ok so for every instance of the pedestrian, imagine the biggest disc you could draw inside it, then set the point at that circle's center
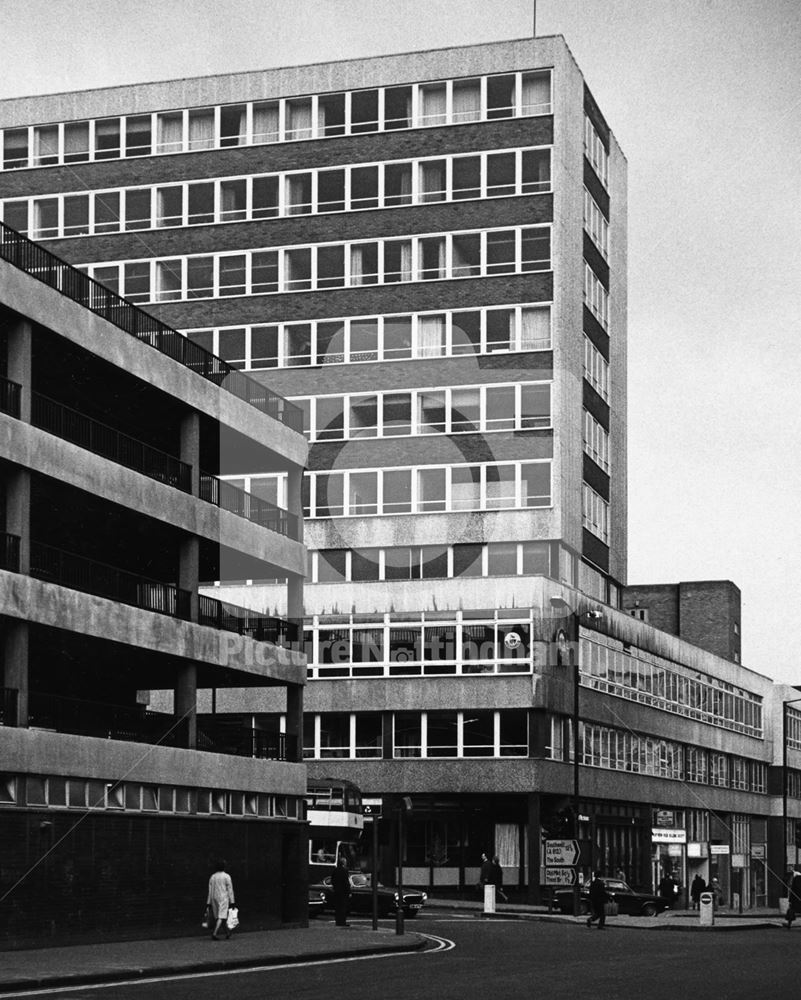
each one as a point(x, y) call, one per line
point(598, 900)
point(717, 892)
point(486, 875)
point(696, 888)
point(220, 899)
point(497, 879)
point(667, 890)
point(794, 897)
point(340, 882)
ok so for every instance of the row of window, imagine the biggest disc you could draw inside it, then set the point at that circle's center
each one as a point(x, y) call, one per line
point(430, 562)
point(596, 369)
point(435, 734)
point(484, 486)
point(595, 151)
point(596, 297)
point(654, 681)
point(596, 441)
point(383, 338)
point(357, 112)
point(595, 224)
point(624, 750)
point(267, 196)
point(793, 727)
point(330, 265)
point(131, 796)
point(462, 410)
point(594, 513)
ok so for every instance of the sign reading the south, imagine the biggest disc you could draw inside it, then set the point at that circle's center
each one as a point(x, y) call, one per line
point(560, 876)
point(561, 853)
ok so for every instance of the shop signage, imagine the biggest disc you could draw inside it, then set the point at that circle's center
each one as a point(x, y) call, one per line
point(664, 817)
point(560, 876)
point(718, 849)
point(674, 850)
point(696, 849)
point(758, 851)
point(738, 861)
point(660, 835)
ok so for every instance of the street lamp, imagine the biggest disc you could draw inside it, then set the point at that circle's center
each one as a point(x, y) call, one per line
point(571, 653)
point(790, 701)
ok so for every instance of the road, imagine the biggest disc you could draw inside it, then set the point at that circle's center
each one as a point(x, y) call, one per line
point(518, 960)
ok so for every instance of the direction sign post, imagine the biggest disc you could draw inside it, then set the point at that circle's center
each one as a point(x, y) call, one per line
point(560, 876)
point(562, 853)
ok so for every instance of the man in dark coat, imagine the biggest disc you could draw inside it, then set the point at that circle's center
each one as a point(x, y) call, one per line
point(340, 882)
point(667, 890)
point(497, 879)
point(698, 886)
point(598, 898)
point(487, 874)
point(794, 902)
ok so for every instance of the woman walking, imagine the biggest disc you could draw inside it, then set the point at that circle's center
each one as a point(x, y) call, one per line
point(221, 897)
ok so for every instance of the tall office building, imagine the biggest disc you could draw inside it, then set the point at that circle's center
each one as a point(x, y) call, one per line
point(427, 252)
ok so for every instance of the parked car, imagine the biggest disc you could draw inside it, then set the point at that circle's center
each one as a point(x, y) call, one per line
point(316, 901)
point(637, 904)
point(361, 896)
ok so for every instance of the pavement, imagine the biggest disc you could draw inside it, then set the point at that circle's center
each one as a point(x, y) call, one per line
point(119, 961)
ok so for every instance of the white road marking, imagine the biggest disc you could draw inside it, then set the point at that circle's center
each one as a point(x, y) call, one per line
point(442, 945)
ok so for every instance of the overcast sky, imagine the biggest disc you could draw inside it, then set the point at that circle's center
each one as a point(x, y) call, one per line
point(705, 99)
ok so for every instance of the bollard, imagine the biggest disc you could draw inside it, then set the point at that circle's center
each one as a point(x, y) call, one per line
point(489, 899)
point(706, 908)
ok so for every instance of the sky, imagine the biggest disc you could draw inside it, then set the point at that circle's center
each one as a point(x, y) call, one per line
point(704, 98)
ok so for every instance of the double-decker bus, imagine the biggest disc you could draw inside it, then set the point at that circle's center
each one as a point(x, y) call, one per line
point(336, 822)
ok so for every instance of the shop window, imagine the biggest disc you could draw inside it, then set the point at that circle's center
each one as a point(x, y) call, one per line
point(368, 645)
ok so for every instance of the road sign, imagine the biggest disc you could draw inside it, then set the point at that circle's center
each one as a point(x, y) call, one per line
point(560, 876)
point(562, 852)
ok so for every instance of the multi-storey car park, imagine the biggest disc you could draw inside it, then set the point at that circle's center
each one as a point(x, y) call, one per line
point(427, 254)
point(112, 511)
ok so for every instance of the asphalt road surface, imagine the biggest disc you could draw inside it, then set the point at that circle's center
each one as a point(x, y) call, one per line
point(518, 960)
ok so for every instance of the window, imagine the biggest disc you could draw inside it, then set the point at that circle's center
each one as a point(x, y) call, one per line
point(170, 206)
point(15, 214)
point(107, 212)
point(536, 484)
point(364, 187)
point(331, 114)
point(364, 111)
point(232, 279)
point(200, 277)
point(265, 197)
point(331, 191)
point(500, 408)
point(536, 250)
point(45, 145)
point(535, 406)
point(432, 181)
point(431, 418)
point(595, 150)
point(536, 93)
point(45, 218)
point(233, 201)
point(466, 177)
point(596, 297)
point(397, 420)
point(595, 513)
point(596, 369)
point(397, 184)
point(466, 255)
point(298, 194)
point(501, 174)
point(536, 175)
point(500, 96)
point(265, 121)
point(397, 107)
point(433, 104)
point(466, 100)
point(137, 208)
point(501, 486)
point(596, 441)
point(107, 139)
point(501, 252)
point(201, 128)
point(76, 142)
point(595, 223)
point(201, 204)
point(138, 135)
point(430, 489)
point(466, 409)
point(170, 132)
point(233, 125)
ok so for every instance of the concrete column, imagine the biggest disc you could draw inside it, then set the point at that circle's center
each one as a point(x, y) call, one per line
point(294, 598)
point(190, 447)
point(18, 514)
point(294, 495)
point(186, 702)
point(294, 718)
point(20, 363)
point(534, 848)
point(189, 572)
point(15, 673)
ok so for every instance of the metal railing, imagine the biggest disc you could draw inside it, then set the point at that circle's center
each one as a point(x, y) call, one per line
point(79, 573)
point(10, 395)
point(240, 741)
point(74, 426)
point(46, 267)
point(9, 552)
point(229, 497)
point(262, 628)
point(136, 724)
point(8, 706)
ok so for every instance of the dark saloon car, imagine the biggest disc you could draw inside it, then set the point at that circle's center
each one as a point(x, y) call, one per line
point(316, 901)
point(636, 904)
point(361, 896)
